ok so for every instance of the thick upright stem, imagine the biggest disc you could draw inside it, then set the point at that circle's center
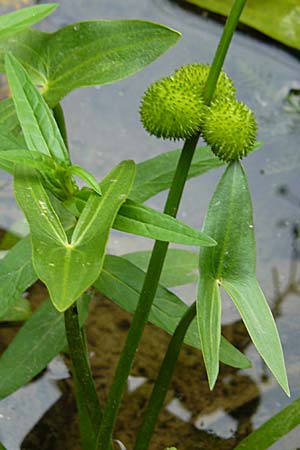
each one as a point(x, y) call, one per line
point(163, 380)
point(146, 299)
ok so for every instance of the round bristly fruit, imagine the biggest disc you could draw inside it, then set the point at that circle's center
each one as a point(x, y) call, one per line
point(197, 74)
point(230, 129)
point(171, 109)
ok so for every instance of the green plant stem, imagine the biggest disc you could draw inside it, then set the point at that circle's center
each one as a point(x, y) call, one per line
point(81, 367)
point(166, 371)
point(145, 302)
point(222, 49)
point(163, 380)
point(59, 117)
point(160, 248)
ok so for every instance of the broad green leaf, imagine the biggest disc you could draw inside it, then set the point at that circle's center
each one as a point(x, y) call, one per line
point(85, 176)
point(35, 345)
point(89, 53)
point(16, 275)
point(156, 174)
point(68, 266)
point(274, 429)
point(122, 282)
point(20, 312)
point(232, 264)
point(39, 128)
point(139, 219)
point(180, 266)
point(8, 160)
point(281, 23)
point(16, 21)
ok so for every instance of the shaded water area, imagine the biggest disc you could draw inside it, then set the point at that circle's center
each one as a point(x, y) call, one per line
point(104, 128)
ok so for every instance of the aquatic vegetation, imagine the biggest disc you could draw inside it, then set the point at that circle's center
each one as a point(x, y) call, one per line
point(70, 226)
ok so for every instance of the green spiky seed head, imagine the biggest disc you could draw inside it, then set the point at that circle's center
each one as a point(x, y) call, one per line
point(196, 75)
point(230, 130)
point(171, 109)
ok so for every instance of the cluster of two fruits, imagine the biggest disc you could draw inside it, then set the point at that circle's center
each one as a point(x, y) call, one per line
point(174, 108)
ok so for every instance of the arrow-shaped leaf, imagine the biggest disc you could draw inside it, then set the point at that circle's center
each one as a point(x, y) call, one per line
point(69, 266)
point(232, 264)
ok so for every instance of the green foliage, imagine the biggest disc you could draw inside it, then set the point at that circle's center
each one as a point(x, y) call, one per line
point(232, 265)
point(13, 23)
point(88, 53)
point(282, 22)
point(122, 282)
point(75, 261)
point(274, 429)
point(20, 311)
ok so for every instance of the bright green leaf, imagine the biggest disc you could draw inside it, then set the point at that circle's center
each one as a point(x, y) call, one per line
point(69, 266)
point(180, 266)
point(39, 128)
point(281, 23)
point(20, 312)
point(122, 282)
point(16, 275)
point(8, 117)
point(17, 21)
point(274, 429)
point(89, 53)
point(85, 176)
point(139, 219)
point(232, 264)
point(8, 160)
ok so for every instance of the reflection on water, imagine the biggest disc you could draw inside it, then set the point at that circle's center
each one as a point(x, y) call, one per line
point(193, 417)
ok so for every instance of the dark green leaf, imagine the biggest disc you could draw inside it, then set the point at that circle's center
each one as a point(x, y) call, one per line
point(232, 264)
point(17, 21)
point(16, 275)
point(89, 53)
point(139, 219)
point(282, 22)
point(40, 130)
point(122, 282)
point(274, 429)
point(180, 266)
point(69, 266)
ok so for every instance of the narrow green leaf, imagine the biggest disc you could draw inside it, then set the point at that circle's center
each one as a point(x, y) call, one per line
point(16, 275)
point(232, 264)
point(8, 142)
point(85, 176)
point(122, 282)
point(69, 267)
point(88, 53)
point(8, 117)
point(274, 429)
point(180, 267)
point(139, 219)
point(38, 125)
point(35, 345)
point(8, 160)
point(20, 312)
point(16, 21)
point(155, 175)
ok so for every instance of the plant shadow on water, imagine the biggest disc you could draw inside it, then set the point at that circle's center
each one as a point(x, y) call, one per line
point(201, 419)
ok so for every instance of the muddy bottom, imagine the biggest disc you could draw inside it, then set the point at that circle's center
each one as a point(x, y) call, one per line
point(188, 401)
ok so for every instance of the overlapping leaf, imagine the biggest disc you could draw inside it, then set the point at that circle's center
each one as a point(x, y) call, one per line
point(232, 264)
point(68, 266)
point(88, 53)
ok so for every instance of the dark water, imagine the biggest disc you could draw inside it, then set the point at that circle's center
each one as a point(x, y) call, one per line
point(103, 125)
